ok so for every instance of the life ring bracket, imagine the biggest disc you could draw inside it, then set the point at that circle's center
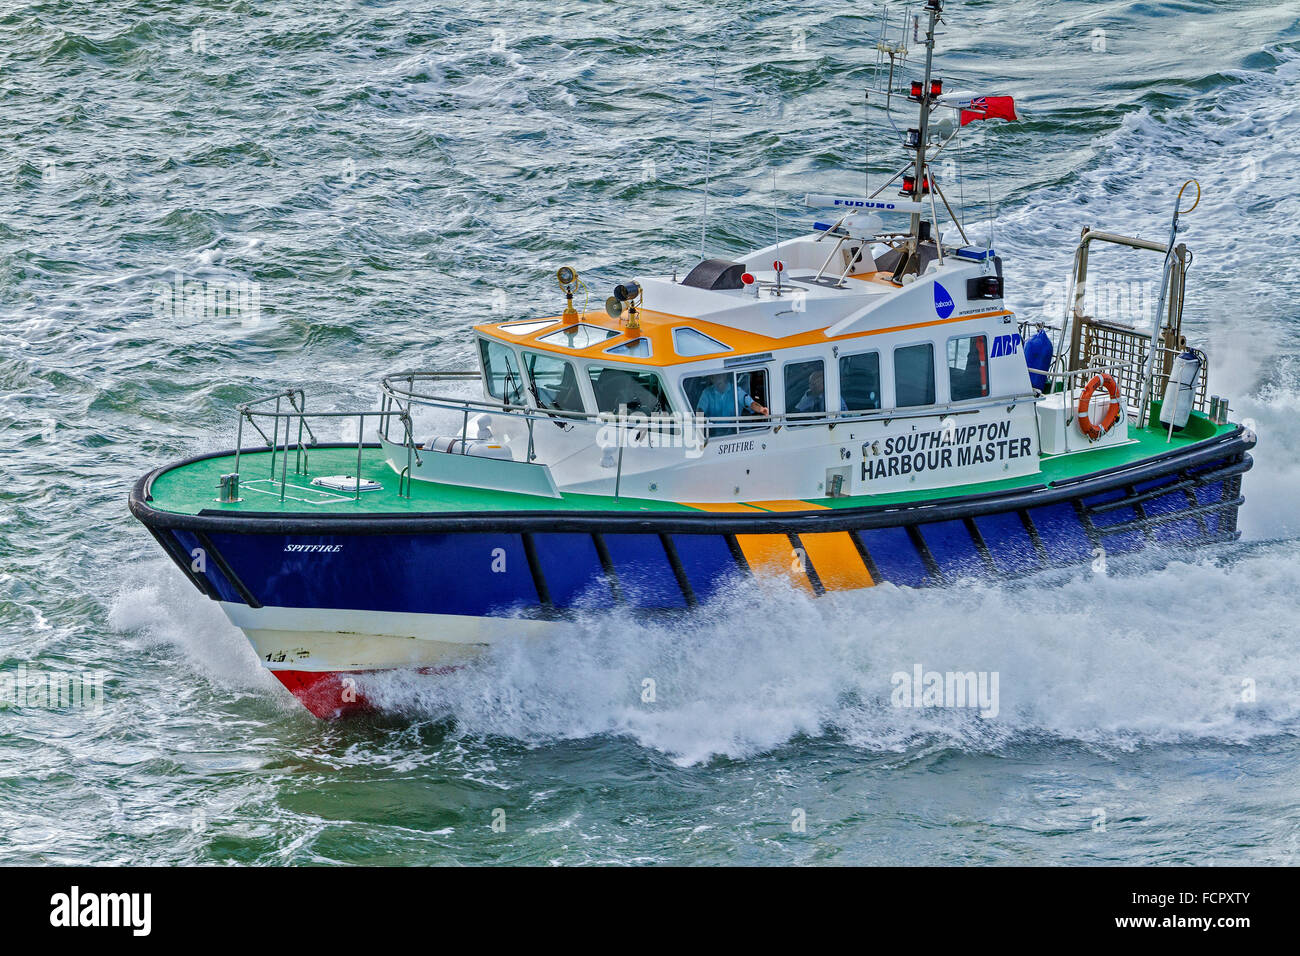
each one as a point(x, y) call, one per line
point(1094, 430)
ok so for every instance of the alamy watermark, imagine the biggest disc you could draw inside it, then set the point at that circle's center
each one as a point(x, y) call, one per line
point(208, 301)
point(1127, 302)
point(634, 429)
point(922, 688)
point(52, 690)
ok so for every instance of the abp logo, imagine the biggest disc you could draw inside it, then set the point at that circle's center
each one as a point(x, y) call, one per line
point(1006, 345)
point(943, 303)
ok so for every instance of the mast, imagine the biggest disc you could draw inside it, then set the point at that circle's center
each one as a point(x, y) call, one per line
point(934, 8)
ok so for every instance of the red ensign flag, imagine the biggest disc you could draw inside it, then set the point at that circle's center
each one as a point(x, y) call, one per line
point(989, 107)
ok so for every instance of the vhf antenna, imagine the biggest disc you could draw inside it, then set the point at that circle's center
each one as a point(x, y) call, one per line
point(778, 266)
point(708, 157)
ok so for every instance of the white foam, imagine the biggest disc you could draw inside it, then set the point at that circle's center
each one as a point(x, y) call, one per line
point(165, 610)
point(1115, 661)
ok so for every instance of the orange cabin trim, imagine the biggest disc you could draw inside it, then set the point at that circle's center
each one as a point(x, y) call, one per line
point(658, 328)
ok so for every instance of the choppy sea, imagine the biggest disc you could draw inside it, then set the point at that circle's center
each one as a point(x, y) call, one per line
point(382, 175)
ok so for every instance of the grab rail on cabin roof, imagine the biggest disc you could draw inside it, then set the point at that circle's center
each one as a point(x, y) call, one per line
point(306, 439)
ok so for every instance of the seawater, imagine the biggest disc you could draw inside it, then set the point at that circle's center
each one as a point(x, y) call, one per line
point(337, 191)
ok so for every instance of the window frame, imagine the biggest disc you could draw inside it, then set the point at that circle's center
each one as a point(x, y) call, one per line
point(649, 348)
point(880, 380)
point(934, 381)
point(785, 392)
point(664, 390)
point(585, 327)
point(521, 389)
point(988, 382)
point(529, 327)
point(761, 423)
point(533, 387)
point(686, 328)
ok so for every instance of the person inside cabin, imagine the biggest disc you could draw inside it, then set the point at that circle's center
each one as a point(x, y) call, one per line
point(814, 397)
point(720, 400)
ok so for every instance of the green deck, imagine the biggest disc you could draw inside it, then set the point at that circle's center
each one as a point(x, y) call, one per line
point(193, 487)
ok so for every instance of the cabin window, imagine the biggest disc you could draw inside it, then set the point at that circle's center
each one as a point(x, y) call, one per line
point(914, 375)
point(860, 382)
point(623, 390)
point(501, 371)
point(728, 395)
point(640, 348)
point(805, 387)
point(526, 328)
point(968, 367)
point(578, 336)
point(688, 341)
point(555, 383)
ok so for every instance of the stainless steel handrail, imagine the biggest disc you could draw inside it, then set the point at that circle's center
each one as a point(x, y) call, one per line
point(1072, 381)
point(249, 411)
point(637, 419)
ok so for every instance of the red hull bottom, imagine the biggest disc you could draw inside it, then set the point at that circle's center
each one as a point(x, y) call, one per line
point(332, 694)
point(327, 694)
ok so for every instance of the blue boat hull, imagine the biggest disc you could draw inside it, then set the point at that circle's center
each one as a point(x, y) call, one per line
point(546, 566)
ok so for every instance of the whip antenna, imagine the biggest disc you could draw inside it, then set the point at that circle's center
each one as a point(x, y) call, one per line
point(708, 158)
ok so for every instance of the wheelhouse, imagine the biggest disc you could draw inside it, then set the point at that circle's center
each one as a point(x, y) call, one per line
point(669, 366)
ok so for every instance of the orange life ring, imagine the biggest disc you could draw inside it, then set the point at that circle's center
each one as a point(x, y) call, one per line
point(1095, 431)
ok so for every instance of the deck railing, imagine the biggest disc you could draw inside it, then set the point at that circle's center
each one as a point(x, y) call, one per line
point(1097, 343)
point(405, 390)
point(291, 432)
point(400, 392)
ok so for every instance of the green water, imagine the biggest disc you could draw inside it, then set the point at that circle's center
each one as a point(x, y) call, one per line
point(388, 174)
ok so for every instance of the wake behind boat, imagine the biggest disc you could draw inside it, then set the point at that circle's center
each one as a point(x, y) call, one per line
point(848, 407)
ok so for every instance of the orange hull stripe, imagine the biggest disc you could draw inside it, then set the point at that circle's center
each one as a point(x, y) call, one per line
point(832, 555)
point(765, 554)
point(772, 554)
point(788, 505)
point(836, 559)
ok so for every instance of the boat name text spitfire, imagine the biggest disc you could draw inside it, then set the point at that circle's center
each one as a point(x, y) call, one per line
point(946, 448)
point(731, 447)
point(314, 548)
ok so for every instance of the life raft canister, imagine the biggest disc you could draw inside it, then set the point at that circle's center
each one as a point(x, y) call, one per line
point(1086, 425)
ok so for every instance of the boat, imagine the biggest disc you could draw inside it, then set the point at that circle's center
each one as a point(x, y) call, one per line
point(851, 406)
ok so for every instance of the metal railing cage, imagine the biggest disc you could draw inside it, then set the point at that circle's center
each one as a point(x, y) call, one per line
point(292, 435)
point(1123, 349)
